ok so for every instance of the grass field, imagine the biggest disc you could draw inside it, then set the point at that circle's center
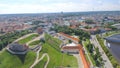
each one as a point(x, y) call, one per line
point(57, 58)
point(34, 43)
point(8, 60)
point(27, 39)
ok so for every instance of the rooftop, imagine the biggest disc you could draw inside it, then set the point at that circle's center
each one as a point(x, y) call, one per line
point(70, 37)
point(15, 47)
point(77, 46)
point(71, 44)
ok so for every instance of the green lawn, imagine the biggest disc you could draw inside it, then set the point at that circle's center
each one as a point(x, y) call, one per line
point(41, 63)
point(7, 60)
point(27, 39)
point(34, 43)
point(111, 33)
point(57, 58)
point(53, 42)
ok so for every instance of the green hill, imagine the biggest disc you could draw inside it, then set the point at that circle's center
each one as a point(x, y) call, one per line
point(57, 58)
point(7, 60)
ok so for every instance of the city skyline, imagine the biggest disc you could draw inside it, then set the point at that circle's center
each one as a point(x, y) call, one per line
point(49, 6)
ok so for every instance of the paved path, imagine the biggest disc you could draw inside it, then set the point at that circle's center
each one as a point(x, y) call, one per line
point(38, 60)
point(37, 38)
point(96, 43)
point(24, 37)
point(37, 53)
point(2, 50)
point(45, 54)
point(80, 63)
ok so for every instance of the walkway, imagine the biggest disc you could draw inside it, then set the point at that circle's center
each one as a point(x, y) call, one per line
point(37, 60)
point(37, 38)
point(37, 53)
point(45, 54)
point(24, 37)
point(79, 59)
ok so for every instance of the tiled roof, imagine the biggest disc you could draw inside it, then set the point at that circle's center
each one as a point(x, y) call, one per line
point(70, 47)
point(70, 37)
point(82, 55)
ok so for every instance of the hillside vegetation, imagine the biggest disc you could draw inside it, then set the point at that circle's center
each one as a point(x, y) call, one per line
point(8, 60)
point(57, 58)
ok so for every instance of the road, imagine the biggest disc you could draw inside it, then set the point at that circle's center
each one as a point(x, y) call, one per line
point(96, 44)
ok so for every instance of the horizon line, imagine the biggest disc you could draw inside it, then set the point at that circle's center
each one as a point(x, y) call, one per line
point(61, 11)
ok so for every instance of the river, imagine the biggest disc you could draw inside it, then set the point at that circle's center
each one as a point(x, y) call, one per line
point(114, 47)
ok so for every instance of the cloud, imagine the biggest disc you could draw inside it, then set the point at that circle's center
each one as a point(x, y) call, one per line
point(58, 6)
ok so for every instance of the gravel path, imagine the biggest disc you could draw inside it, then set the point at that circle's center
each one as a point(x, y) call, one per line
point(24, 37)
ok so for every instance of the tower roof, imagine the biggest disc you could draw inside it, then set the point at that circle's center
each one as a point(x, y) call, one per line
point(17, 47)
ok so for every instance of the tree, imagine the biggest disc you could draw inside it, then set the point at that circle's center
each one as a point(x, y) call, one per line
point(70, 41)
point(89, 21)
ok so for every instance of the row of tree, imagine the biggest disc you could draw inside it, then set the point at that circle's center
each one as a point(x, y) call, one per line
point(96, 55)
point(82, 34)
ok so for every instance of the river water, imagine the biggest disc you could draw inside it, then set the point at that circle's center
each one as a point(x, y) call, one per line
point(114, 47)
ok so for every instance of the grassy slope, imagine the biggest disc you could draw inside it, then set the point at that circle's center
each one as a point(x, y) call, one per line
point(56, 57)
point(41, 63)
point(27, 39)
point(8, 60)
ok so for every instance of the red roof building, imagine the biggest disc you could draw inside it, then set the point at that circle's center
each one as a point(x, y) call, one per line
point(39, 30)
point(76, 40)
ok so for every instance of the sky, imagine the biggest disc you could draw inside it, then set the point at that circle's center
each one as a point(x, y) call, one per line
point(49, 6)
